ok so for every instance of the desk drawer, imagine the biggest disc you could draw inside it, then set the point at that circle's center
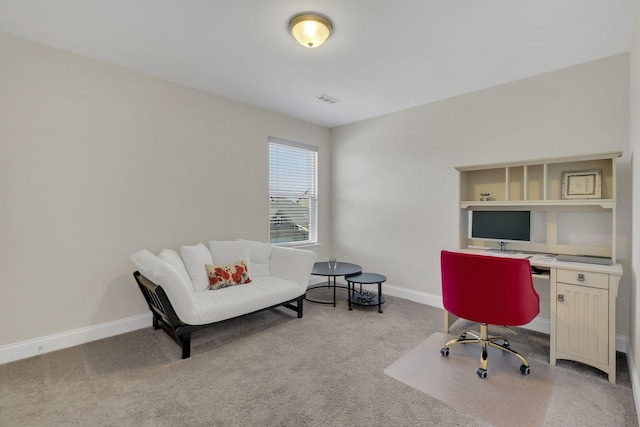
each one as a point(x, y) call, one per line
point(583, 278)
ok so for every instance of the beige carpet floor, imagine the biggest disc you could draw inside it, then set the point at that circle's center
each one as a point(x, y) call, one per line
point(271, 369)
point(504, 398)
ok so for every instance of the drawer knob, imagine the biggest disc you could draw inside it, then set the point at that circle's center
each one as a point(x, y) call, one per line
point(581, 277)
point(560, 298)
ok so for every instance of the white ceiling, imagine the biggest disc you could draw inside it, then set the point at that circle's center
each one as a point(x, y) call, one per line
point(385, 55)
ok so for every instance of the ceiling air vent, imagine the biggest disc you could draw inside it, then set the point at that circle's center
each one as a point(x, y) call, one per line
point(326, 98)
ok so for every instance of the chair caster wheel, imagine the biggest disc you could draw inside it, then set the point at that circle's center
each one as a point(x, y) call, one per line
point(524, 370)
point(444, 351)
point(482, 373)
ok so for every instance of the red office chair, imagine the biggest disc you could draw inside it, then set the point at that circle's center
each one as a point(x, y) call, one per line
point(489, 290)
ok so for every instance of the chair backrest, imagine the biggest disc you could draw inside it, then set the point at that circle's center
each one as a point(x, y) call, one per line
point(488, 289)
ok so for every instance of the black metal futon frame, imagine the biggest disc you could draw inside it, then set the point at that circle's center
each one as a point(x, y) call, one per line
point(165, 317)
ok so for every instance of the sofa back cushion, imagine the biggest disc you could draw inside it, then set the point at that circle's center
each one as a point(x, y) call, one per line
point(260, 255)
point(195, 257)
point(172, 258)
point(229, 252)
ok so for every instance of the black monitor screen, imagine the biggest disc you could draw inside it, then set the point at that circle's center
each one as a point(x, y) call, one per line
point(502, 226)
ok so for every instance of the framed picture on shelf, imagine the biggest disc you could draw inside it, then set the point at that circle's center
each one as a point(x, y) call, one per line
point(582, 184)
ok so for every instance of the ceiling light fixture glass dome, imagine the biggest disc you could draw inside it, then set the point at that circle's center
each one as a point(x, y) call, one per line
point(310, 29)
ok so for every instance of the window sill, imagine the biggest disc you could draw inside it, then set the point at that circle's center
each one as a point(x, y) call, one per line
point(309, 246)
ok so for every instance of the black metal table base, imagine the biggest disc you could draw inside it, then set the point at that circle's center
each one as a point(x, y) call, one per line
point(327, 285)
point(365, 298)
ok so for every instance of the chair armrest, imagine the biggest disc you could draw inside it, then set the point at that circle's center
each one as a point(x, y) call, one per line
point(292, 264)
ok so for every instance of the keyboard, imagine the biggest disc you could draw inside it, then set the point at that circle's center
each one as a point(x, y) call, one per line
point(498, 253)
point(543, 258)
point(537, 271)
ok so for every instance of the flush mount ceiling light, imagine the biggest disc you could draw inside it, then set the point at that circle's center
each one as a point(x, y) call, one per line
point(310, 29)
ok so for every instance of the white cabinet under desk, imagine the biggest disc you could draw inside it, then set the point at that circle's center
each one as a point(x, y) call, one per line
point(582, 313)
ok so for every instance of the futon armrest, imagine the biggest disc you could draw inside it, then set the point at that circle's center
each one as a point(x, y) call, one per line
point(292, 264)
point(157, 300)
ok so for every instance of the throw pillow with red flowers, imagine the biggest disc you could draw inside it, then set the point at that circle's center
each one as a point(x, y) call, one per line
point(227, 275)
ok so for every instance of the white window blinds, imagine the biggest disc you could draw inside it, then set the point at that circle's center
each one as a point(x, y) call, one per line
point(292, 191)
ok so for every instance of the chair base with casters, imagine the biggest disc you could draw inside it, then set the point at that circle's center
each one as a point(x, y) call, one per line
point(485, 341)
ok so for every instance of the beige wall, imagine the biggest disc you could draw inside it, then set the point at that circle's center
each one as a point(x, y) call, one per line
point(97, 162)
point(634, 317)
point(395, 189)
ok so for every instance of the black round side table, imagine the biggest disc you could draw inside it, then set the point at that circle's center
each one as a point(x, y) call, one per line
point(365, 298)
point(323, 269)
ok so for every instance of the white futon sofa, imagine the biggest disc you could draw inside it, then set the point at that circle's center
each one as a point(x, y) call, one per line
point(178, 290)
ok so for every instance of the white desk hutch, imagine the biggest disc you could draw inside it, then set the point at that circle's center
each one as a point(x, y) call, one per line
point(582, 295)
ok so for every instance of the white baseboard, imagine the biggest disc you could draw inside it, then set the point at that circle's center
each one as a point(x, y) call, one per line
point(539, 324)
point(34, 347)
point(410, 294)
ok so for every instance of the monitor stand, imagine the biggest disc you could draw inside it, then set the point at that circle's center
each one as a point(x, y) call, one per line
point(503, 249)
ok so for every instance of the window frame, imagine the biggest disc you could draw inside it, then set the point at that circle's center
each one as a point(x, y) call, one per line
point(312, 239)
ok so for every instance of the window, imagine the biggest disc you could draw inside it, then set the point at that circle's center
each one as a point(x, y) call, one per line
point(293, 194)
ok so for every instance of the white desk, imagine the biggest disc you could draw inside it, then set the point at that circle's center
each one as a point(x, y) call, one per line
point(582, 312)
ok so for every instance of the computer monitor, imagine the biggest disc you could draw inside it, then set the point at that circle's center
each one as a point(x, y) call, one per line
point(501, 226)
